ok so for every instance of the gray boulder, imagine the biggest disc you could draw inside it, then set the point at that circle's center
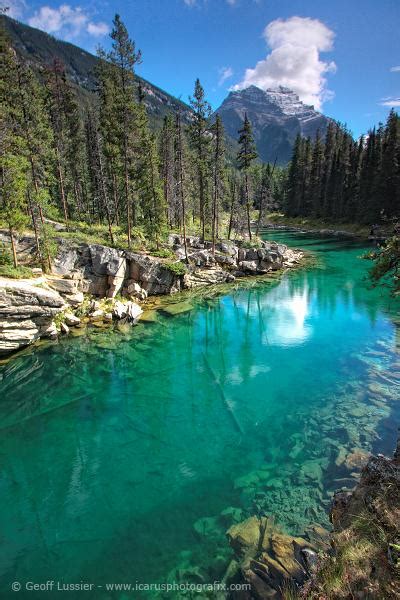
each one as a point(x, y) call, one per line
point(26, 313)
point(152, 275)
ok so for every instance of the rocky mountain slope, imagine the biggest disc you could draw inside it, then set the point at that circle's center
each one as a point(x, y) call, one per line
point(40, 48)
point(277, 116)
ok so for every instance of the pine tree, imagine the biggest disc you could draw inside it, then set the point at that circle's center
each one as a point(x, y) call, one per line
point(97, 173)
point(36, 147)
point(167, 137)
point(13, 166)
point(200, 144)
point(118, 111)
point(245, 157)
point(149, 182)
point(218, 175)
point(180, 177)
point(390, 168)
point(294, 181)
point(68, 138)
point(316, 177)
point(233, 185)
point(267, 173)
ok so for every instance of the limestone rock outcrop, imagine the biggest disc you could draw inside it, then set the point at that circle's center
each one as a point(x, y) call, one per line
point(26, 313)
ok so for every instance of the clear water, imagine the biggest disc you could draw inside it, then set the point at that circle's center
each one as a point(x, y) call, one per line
point(115, 447)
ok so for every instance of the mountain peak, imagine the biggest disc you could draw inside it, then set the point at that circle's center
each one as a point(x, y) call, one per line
point(277, 116)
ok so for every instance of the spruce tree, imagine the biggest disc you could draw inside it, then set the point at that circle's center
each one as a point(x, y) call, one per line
point(218, 175)
point(119, 112)
point(167, 137)
point(180, 177)
point(245, 157)
point(149, 181)
point(200, 143)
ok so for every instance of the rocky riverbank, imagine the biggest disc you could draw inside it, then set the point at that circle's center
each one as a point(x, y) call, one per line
point(359, 559)
point(99, 284)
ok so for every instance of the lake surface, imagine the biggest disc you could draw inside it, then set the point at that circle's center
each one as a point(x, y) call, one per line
point(125, 458)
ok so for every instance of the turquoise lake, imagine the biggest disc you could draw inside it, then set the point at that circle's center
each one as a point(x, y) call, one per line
point(126, 457)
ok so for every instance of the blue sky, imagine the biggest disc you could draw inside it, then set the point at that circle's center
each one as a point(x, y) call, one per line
point(343, 56)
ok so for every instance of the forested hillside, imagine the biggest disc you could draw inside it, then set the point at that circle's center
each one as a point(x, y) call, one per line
point(40, 48)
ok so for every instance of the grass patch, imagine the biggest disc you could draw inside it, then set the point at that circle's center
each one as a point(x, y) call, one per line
point(162, 253)
point(15, 272)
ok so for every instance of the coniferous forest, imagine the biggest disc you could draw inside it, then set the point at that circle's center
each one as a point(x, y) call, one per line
point(99, 166)
point(341, 179)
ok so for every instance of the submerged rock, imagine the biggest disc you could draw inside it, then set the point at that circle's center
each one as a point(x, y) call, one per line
point(127, 310)
point(178, 308)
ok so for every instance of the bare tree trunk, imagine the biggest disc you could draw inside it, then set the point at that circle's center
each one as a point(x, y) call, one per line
point(35, 229)
point(61, 185)
point(115, 195)
point(13, 248)
point(246, 184)
point(181, 183)
point(231, 211)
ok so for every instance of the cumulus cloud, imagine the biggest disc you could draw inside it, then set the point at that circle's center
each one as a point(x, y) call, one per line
point(67, 21)
point(224, 74)
point(97, 29)
point(15, 8)
point(392, 101)
point(395, 69)
point(294, 60)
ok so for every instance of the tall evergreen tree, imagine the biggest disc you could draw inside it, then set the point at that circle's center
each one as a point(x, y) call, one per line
point(246, 155)
point(200, 143)
point(120, 110)
point(180, 177)
point(167, 140)
point(218, 175)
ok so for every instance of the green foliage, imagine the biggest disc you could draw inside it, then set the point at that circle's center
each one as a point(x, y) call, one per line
point(5, 256)
point(341, 179)
point(386, 269)
point(177, 268)
point(247, 151)
point(162, 253)
point(15, 272)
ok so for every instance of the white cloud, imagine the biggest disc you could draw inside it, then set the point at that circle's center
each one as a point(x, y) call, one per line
point(391, 101)
point(190, 2)
point(16, 8)
point(395, 69)
point(66, 21)
point(224, 74)
point(231, 2)
point(294, 60)
point(97, 29)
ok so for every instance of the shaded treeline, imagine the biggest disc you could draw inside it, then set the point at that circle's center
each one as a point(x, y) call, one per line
point(340, 179)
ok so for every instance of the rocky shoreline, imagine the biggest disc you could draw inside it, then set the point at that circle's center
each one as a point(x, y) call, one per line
point(360, 558)
point(99, 284)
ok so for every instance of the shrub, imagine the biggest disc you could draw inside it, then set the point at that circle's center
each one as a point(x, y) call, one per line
point(177, 268)
point(5, 256)
point(163, 253)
